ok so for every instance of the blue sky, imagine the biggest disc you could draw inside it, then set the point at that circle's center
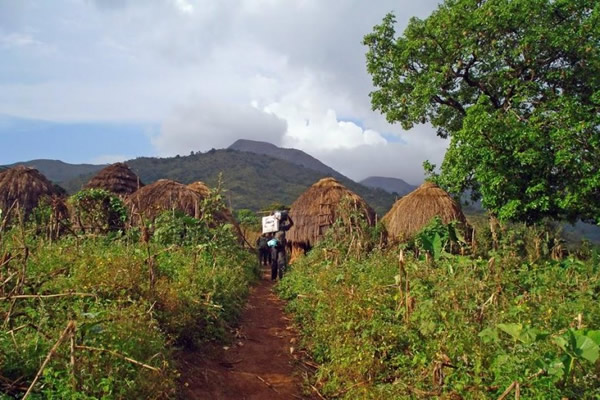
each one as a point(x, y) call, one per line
point(103, 80)
point(73, 142)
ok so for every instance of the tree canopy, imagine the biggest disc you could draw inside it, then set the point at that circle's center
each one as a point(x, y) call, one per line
point(515, 85)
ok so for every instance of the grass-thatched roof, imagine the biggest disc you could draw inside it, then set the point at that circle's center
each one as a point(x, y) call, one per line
point(116, 178)
point(315, 210)
point(23, 187)
point(163, 195)
point(414, 211)
point(200, 187)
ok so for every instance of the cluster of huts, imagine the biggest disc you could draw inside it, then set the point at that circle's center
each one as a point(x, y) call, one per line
point(313, 212)
point(24, 187)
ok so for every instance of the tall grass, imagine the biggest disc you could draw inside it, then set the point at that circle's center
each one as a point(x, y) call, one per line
point(127, 303)
point(387, 325)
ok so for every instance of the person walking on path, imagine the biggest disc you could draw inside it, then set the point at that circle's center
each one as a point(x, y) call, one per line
point(278, 245)
point(264, 253)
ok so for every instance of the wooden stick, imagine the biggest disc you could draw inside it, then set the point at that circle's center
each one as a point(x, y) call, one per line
point(268, 384)
point(507, 391)
point(114, 353)
point(62, 337)
point(317, 392)
point(73, 365)
point(47, 296)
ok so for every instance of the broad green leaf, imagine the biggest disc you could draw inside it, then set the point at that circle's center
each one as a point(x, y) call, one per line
point(594, 335)
point(587, 348)
point(513, 330)
point(489, 335)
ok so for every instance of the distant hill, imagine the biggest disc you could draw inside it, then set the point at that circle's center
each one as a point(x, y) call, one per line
point(390, 185)
point(252, 180)
point(294, 156)
point(58, 171)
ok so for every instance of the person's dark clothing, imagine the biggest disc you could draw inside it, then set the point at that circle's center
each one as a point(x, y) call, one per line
point(264, 255)
point(278, 253)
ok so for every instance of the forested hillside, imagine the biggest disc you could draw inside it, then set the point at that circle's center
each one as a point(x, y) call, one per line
point(251, 180)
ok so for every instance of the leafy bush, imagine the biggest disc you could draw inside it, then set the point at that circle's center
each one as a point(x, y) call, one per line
point(98, 211)
point(386, 327)
point(129, 304)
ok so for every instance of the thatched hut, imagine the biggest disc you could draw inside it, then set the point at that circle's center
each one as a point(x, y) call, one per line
point(117, 178)
point(200, 187)
point(315, 211)
point(224, 214)
point(414, 211)
point(23, 188)
point(163, 195)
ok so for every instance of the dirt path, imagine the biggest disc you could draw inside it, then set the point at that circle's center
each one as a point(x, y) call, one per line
point(258, 365)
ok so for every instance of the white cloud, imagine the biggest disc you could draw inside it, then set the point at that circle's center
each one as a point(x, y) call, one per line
point(110, 158)
point(16, 40)
point(184, 6)
point(202, 125)
point(300, 62)
point(403, 160)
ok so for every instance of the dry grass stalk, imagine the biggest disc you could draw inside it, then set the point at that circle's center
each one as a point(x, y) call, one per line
point(47, 296)
point(414, 211)
point(316, 210)
point(114, 353)
point(116, 178)
point(200, 187)
point(66, 332)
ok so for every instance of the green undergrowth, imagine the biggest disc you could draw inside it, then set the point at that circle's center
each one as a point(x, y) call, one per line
point(453, 327)
point(130, 302)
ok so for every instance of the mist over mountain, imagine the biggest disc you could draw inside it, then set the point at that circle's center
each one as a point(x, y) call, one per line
point(390, 185)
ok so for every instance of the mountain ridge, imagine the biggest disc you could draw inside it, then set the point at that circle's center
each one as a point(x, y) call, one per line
point(391, 185)
point(59, 171)
point(292, 155)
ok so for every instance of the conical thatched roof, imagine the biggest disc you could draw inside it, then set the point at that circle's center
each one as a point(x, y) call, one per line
point(315, 210)
point(200, 187)
point(24, 187)
point(116, 178)
point(163, 195)
point(414, 211)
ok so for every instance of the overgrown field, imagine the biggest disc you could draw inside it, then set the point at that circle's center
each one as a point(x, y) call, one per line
point(389, 325)
point(105, 312)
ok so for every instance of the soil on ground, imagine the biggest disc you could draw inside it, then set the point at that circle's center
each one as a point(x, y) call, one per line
point(259, 364)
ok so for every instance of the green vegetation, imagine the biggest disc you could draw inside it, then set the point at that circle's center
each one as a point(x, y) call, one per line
point(396, 323)
point(252, 181)
point(515, 85)
point(97, 210)
point(108, 310)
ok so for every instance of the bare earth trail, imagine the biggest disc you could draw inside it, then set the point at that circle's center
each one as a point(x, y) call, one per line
point(257, 365)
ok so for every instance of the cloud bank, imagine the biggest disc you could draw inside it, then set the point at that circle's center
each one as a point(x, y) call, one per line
point(288, 72)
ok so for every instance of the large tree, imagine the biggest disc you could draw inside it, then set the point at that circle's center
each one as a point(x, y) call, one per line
point(515, 85)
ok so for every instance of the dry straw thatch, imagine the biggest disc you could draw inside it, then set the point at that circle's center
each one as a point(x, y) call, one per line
point(414, 211)
point(116, 178)
point(315, 210)
point(163, 195)
point(200, 187)
point(23, 188)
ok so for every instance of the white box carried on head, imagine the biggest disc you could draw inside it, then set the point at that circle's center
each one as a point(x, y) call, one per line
point(270, 224)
